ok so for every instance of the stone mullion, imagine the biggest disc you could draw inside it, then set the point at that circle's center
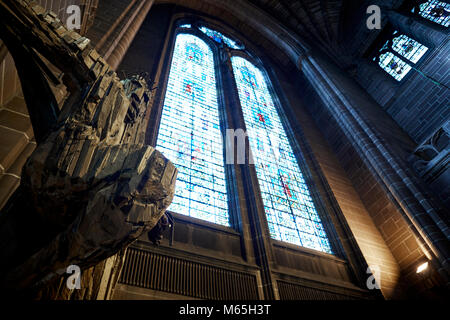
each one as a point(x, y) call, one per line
point(258, 229)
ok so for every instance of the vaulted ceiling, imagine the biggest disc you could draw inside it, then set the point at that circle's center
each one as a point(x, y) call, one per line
point(331, 24)
point(336, 26)
point(313, 19)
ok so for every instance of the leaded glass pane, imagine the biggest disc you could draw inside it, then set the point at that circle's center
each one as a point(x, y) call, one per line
point(409, 48)
point(187, 26)
point(220, 38)
point(393, 65)
point(190, 135)
point(436, 11)
point(291, 214)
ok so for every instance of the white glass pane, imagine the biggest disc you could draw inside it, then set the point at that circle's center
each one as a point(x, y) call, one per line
point(393, 65)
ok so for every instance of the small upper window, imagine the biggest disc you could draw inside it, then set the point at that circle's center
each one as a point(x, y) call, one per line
point(436, 11)
point(392, 55)
point(409, 48)
point(393, 65)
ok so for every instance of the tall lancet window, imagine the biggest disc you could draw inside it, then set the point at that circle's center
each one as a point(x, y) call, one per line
point(436, 11)
point(291, 213)
point(399, 55)
point(190, 134)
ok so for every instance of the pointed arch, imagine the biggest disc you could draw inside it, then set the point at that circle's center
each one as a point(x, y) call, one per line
point(291, 213)
point(190, 135)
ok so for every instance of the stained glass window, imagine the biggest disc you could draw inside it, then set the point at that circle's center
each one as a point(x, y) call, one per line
point(291, 213)
point(187, 26)
point(190, 135)
point(436, 11)
point(391, 55)
point(409, 48)
point(393, 65)
point(220, 38)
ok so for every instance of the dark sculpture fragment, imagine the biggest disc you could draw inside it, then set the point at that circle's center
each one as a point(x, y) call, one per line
point(92, 186)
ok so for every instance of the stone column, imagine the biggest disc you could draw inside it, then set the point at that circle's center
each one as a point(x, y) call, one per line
point(3, 51)
point(426, 32)
point(351, 107)
point(123, 32)
point(89, 9)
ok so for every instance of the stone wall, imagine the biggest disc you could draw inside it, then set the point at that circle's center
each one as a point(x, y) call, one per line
point(341, 184)
point(417, 104)
point(393, 247)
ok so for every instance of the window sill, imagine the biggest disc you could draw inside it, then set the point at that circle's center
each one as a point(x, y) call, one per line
point(307, 251)
point(203, 223)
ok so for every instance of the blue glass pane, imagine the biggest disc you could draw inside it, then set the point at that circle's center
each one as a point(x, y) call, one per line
point(393, 65)
point(291, 214)
point(436, 11)
point(190, 135)
point(187, 26)
point(220, 38)
point(409, 48)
